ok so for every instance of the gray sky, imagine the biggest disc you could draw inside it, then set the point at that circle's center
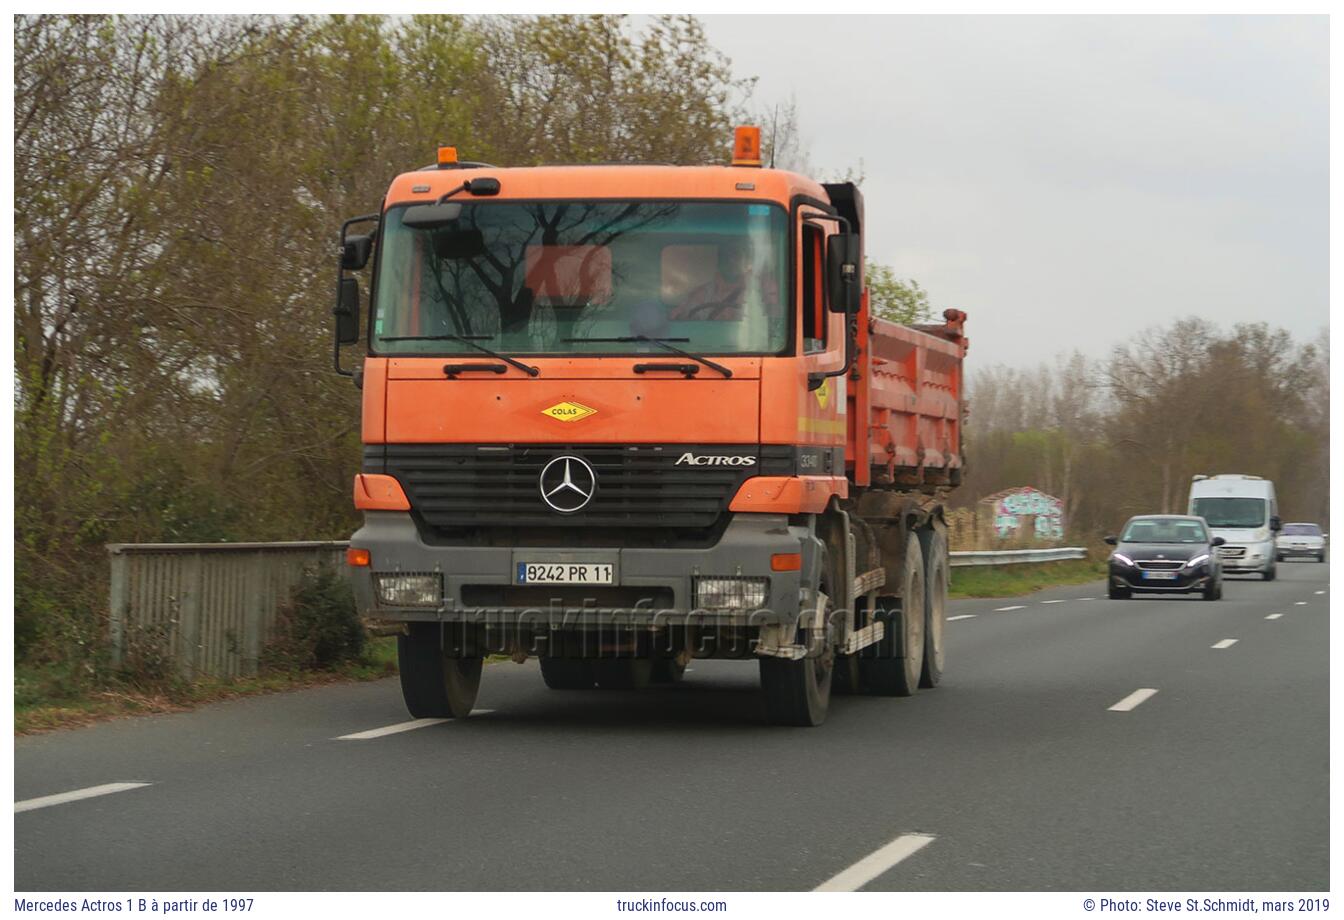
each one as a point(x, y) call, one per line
point(1070, 180)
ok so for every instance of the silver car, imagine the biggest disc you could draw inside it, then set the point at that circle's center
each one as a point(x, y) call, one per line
point(1297, 540)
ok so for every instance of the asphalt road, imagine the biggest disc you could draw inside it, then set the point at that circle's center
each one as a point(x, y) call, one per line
point(1015, 774)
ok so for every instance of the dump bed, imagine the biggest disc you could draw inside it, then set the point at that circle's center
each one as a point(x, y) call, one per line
point(906, 406)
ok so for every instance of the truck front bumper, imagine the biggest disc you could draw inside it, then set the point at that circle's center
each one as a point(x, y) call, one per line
point(651, 587)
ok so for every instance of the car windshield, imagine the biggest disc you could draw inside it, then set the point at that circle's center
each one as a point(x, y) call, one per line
point(1164, 530)
point(566, 277)
point(1301, 530)
point(1231, 512)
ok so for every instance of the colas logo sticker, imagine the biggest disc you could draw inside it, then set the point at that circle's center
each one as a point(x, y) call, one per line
point(568, 411)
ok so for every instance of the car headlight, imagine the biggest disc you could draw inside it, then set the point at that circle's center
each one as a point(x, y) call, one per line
point(1198, 560)
point(730, 592)
point(1122, 559)
point(409, 590)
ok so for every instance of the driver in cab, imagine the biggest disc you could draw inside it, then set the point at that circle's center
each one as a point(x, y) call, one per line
point(723, 297)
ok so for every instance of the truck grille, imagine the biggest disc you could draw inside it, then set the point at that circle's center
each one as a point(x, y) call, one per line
point(451, 487)
point(1159, 565)
point(1231, 552)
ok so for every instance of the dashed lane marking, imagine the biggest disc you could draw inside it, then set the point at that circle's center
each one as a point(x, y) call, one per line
point(1055, 602)
point(1300, 604)
point(1320, 592)
point(1133, 700)
point(61, 798)
point(1224, 643)
point(1273, 616)
point(402, 727)
point(1014, 607)
point(875, 863)
point(964, 616)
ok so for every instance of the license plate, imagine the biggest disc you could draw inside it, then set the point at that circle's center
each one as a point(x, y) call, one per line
point(564, 573)
point(1160, 576)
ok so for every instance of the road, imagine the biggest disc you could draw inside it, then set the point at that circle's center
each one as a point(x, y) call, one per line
point(1015, 774)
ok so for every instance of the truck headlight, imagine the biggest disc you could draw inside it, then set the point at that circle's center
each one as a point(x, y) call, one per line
point(1198, 561)
point(409, 590)
point(730, 592)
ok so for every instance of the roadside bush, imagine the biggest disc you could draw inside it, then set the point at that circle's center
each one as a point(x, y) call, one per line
point(318, 628)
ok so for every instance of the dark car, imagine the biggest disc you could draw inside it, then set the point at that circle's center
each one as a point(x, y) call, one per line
point(1165, 553)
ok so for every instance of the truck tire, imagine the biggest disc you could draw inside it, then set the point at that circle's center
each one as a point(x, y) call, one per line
point(1270, 573)
point(896, 668)
point(567, 673)
point(799, 692)
point(933, 544)
point(433, 685)
point(1116, 593)
point(623, 673)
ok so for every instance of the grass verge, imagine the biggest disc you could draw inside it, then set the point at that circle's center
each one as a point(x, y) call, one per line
point(1016, 580)
point(44, 698)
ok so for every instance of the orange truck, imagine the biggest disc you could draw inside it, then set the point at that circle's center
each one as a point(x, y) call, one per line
point(619, 417)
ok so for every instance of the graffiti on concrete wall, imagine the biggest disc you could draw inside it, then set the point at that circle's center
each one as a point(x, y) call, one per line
point(1027, 507)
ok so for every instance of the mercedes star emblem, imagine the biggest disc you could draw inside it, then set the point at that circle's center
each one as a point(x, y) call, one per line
point(568, 484)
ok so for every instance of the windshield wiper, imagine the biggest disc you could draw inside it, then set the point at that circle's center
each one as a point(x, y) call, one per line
point(662, 343)
point(465, 340)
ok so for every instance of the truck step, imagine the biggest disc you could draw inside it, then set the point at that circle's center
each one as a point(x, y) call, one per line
point(869, 635)
point(869, 581)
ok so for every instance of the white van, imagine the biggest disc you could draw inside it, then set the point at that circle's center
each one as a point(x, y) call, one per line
point(1244, 512)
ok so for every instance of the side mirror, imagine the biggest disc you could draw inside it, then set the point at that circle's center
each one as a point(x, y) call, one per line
point(842, 272)
point(1217, 541)
point(1275, 523)
point(355, 252)
point(1111, 540)
point(346, 312)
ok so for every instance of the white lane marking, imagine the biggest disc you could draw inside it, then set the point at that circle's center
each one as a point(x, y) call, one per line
point(402, 727)
point(1273, 616)
point(964, 616)
point(1087, 598)
point(1300, 604)
point(1225, 643)
point(875, 863)
point(75, 795)
point(1320, 592)
point(1134, 699)
point(1015, 607)
point(1054, 602)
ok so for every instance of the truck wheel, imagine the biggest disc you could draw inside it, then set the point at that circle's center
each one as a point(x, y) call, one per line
point(623, 673)
point(1213, 591)
point(1117, 594)
point(1270, 573)
point(667, 671)
point(433, 685)
point(567, 673)
point(799, 692)
point(896, 668)
point(933, 542)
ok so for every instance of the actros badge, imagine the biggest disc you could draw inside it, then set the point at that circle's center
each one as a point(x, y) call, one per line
point(568, 484)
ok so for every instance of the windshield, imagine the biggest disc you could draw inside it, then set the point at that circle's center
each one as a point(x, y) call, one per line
point(1164, 530)
point(552, 277)
point(1231, 512)
point(1301, 530)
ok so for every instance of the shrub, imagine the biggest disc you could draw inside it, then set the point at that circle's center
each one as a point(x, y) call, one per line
point(318, 627)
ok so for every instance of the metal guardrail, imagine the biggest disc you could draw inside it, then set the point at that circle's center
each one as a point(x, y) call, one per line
point(206, 606)
point(1016, 556)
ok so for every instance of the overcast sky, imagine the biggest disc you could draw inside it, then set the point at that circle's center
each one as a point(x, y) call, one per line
point(1068, 180)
